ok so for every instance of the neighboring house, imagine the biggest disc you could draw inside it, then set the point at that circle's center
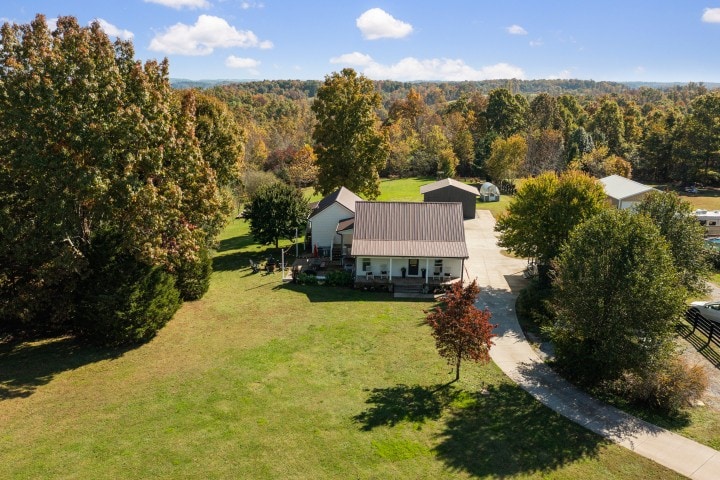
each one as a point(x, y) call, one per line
point(409, 240)
point(449, 190)
point(324, 219)
point(622, 192)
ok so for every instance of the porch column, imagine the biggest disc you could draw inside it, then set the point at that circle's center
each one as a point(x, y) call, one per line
point(390, 271)
point(427, 260)
point(462, 270)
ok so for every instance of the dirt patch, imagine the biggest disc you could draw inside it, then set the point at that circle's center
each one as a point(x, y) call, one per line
point(693, 357)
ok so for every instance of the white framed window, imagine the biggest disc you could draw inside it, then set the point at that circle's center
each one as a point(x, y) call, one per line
point(366, 265)
point(438, 266)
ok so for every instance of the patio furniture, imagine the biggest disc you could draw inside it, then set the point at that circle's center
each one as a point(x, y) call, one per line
point(255, 267)
point(270, 265)
point(368, 275)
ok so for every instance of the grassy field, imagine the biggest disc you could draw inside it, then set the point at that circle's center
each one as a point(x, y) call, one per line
point(261, 380)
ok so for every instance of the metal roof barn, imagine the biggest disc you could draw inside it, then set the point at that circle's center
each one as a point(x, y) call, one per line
point(449, 190)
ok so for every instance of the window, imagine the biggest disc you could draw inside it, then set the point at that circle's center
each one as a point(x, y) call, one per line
point(438, 266)
point(365, 264)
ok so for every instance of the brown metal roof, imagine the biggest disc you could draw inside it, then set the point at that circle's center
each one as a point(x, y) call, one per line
point(345, 224)
point(409, 229)
point(342, 195)
point(448, 182)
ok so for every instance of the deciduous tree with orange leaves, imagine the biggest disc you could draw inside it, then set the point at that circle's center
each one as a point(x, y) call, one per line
point(461, 330)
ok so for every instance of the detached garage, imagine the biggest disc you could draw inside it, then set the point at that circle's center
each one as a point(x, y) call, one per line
point(622, 192)
point(449, 190)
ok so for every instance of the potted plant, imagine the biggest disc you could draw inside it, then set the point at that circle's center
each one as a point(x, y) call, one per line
point(403, 270)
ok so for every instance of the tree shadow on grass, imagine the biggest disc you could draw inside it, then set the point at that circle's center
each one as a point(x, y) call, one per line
point(403, 403)
point(235, 243)
point(505, 432)
point(326, 293)
point(241, 260)
point(25, 366)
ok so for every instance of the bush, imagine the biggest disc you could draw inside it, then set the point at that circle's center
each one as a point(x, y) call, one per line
point(193, 277)
point(670, 387)
point(306, 279)
point(713, 257)
point(339, 278)
point(533, 303)
point(123, 301)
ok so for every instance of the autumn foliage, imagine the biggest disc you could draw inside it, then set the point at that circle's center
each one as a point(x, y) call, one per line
point(461, 330)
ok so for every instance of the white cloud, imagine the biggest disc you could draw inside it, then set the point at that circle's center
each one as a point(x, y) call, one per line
point(178, 4)
point(208, 33)
point(516, 30)
point(237, 62)
point(536, 43)
point(114, 31)
point(711, 15)
point(377, 23)
point(51, 23)
point(354, 58)
point(639, 70)
point(249, 5)
point(410, 68)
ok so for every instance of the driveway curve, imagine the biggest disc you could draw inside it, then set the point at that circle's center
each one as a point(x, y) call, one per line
point(500, 278)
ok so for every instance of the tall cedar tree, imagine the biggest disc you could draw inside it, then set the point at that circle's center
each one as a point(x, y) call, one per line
point(461, 330)
point(350, 147)
point(275, 211)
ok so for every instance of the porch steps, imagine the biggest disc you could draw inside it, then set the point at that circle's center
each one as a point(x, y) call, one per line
point(407, 288)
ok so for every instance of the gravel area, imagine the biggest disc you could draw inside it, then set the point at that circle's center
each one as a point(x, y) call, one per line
point(694, 357)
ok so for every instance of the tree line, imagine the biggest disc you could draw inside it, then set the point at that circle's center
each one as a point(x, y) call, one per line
point(495, 129)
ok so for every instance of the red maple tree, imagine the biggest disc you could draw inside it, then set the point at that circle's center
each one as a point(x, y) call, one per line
point(461, 330)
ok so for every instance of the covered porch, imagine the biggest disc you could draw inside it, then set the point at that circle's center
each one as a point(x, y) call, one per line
point(412, 274)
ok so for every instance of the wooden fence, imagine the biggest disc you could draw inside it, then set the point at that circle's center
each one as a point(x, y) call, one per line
point(710, 329)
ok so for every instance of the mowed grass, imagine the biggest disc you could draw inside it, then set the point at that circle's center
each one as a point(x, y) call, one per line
point(262, 380)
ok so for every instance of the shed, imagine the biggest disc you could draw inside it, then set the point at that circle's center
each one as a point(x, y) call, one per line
point(489, 192)
point(622, 192)
point(449, 190)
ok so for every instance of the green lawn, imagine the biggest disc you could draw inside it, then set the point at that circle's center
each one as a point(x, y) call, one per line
point(262, 380)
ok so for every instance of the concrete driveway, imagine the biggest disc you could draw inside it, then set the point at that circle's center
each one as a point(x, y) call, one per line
point(500, 278)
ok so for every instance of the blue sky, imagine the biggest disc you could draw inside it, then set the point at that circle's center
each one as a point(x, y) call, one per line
point(630, 40)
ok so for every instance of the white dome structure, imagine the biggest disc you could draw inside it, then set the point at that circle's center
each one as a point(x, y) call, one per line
point(489, 192)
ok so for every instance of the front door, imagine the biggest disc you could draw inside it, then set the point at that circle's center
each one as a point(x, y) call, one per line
point(413, 264)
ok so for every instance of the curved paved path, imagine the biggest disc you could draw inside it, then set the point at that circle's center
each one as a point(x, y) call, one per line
point(500, 278)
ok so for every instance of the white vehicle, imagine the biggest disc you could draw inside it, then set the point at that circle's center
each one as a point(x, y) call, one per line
point(710, 219)
point(708, 310)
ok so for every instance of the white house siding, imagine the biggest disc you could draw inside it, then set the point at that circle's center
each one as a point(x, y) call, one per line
point(325, 223)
